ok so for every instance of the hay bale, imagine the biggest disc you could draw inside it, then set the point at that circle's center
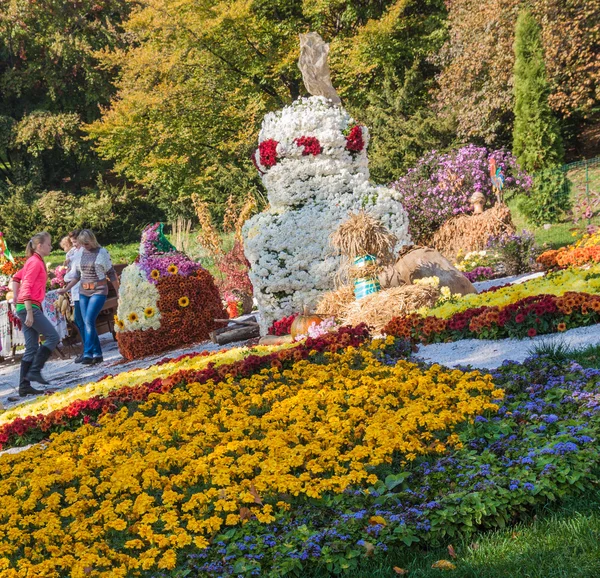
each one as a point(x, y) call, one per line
point(471, 232)
point(335, 302)
point(378, 309)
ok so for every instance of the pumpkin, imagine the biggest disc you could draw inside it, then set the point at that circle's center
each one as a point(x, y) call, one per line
point(301, 324)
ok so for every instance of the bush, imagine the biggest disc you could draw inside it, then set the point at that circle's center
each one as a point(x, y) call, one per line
point(549, 199)
point(440, 185)
point(19, 217)
point(516, 252)
point(117, 214)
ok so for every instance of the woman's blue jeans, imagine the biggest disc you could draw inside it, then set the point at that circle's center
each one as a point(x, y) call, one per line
point(90, 309)
point(79, 320)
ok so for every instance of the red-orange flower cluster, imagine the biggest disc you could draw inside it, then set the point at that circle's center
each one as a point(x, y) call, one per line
point(569, 257)
point(531, 316)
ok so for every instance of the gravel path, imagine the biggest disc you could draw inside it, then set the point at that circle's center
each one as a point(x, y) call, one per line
point(489, 354)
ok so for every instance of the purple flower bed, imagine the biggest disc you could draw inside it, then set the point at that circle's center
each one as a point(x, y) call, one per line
point(479, 274)
point(440, 185)
point(539, 447)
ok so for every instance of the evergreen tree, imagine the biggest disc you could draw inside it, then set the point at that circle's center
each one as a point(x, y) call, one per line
point(536, 138)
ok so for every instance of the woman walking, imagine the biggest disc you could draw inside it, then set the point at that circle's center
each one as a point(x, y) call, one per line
point(29, 289)
point(93, 268)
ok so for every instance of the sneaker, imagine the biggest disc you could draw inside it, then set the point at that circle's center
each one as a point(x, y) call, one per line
point(79, 358)
point(97, 360)
point(87, 361)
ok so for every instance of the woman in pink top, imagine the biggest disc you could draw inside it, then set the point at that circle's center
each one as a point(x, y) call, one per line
point(29, 288)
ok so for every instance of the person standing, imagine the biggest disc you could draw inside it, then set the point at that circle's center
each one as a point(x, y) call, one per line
point(29, 289)
point(93, 270)
point(73, 257)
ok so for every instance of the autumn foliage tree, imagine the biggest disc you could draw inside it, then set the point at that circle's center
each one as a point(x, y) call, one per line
point(478, 60)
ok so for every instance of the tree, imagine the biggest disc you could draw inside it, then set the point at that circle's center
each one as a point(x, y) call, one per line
point(536, 138)
point(196, 84)
point(478, 60)
point(50, 84)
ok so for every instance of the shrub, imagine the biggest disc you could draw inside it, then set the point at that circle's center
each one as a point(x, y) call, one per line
point(516, 252)
point(440, 185)
point(549, 198)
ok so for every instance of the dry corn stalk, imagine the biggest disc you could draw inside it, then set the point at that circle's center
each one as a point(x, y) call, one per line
point(247, 209)
point(208, 236)
point(180, 231)
point(471, 232)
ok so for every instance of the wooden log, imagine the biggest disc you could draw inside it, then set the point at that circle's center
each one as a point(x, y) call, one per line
point(228, 335)
point(251, 321)
point(275, 339)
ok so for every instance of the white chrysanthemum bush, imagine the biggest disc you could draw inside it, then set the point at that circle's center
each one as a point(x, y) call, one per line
point(312, 158)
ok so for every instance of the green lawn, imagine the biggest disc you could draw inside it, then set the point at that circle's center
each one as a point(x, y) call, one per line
point(559, 542)
point(559, 234)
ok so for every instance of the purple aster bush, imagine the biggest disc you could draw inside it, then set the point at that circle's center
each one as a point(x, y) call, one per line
point(540, 446)
point(439, 186)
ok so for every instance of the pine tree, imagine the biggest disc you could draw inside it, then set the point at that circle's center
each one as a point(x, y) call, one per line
point(536, 138)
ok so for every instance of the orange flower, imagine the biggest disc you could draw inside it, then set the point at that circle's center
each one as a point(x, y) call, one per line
point(155, 274)
point(183, 301)
point(561, 326)
point(172, 269)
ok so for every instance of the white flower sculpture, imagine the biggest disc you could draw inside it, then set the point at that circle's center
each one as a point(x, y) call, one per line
point(313, 161)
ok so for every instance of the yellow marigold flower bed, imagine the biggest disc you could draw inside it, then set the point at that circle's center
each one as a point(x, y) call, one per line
point(558, 283)
point(46, 404)
point(134, 493)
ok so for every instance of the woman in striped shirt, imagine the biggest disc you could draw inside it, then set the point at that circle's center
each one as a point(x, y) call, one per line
point(93, 268)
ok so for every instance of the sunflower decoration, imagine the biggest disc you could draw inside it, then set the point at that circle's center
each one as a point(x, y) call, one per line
point(119, 323)
point(172, 269)
point(155, 274)
point(133, 317)
point(183, 301)
point(149, 312)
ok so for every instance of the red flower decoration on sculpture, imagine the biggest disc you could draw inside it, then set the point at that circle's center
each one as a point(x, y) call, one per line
point(354, 141)
point(311, 145)
point(268, 153)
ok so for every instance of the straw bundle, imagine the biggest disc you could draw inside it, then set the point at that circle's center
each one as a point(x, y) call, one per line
point(361, 234)
point(377, 309)
point(333, 303)
point(471, 232)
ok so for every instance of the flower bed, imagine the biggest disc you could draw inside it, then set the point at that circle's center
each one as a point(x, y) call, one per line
point(536, 315)
point(313, 465)
point(83, 404)
point(585, 250)
point(162, 480)
point(539, 447)
point(555, 283)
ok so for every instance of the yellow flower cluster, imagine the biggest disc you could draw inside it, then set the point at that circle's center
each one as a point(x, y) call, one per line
point(130, 495)
point(558, 283)
point(46, 404)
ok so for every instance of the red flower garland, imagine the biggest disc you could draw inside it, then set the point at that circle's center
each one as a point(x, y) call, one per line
point(354, 141)
point(311, 145)
point(267, 150)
